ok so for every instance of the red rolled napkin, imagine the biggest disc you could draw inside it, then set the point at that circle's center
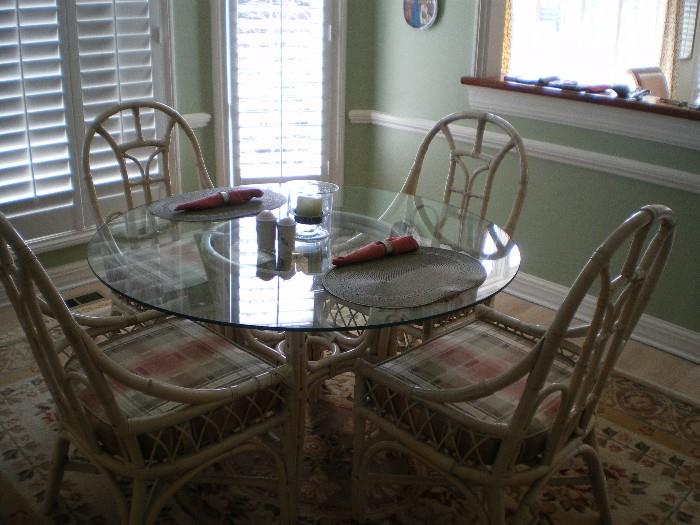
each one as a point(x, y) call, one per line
point(220, 198)
point(378, 249)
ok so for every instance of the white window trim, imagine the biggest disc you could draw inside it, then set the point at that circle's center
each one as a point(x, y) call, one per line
point(629, 123)
point(222, 112)
point(488, 28)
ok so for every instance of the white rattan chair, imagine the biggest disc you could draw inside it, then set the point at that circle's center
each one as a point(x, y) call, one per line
point(473, 172)
point(136, 137)
point(477, 181)
point(157, 401)
point(499, 403)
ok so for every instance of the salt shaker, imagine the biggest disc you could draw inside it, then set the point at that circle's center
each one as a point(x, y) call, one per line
point(286, 231)
point(265, 225)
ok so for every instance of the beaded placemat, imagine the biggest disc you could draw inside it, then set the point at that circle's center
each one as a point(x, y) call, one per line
point(406, 280)
point(165, 208)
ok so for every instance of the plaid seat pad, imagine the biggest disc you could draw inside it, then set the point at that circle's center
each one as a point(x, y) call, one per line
point(175, 351)
point(473, 354)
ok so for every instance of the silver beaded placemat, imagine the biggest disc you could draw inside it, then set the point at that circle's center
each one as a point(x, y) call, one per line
point(165, 208)
point(406, 280)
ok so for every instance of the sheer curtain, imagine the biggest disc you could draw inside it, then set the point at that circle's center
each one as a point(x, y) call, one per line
point(671, 43)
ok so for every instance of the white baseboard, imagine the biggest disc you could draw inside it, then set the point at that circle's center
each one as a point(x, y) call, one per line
point(651, 331)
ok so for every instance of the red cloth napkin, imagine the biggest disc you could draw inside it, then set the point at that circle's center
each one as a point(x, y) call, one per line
point(377, 250)
point(217, 199)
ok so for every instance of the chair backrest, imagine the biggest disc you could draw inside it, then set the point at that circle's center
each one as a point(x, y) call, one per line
point(137, 136)
point(32, 294)
point(478, 168)
point(623, 286)
point(651, 78)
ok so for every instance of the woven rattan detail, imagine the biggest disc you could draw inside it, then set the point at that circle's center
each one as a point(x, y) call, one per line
point(165, 208)
point(407, 280)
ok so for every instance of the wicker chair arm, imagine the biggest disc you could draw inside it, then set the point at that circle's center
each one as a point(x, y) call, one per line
point(179, 394)
point(117, 322)
point(113, 322)
point(450, 395)
point(487, 313)
point(577, 331)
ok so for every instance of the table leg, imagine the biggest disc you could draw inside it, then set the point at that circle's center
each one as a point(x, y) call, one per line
point(297, 357)
point(385, 343)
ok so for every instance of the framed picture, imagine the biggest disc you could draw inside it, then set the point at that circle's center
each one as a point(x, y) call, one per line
point(420, 14)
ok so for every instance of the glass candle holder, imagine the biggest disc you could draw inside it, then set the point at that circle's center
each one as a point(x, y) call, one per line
point(310, 203)
point(313, 258)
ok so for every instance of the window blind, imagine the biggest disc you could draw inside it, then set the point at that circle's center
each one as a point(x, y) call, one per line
point(61, 64)
point(689, 17)
point(278, 88)
point(35, 170)
point(115, 54)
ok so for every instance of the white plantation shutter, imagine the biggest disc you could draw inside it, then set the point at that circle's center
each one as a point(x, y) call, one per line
point(689, 17)
point(279, 93)
point(61, 64)
point(35, 169)
point(115, 55)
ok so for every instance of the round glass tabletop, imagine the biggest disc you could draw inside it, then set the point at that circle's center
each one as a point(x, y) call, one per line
point(213, 271)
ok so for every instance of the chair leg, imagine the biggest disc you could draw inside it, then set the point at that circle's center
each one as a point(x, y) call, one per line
point(138, 502)
point(58, 464)
point(286, 498)
point(359, 487)
point(495, 502)
point(597, 475)
point(290, 480)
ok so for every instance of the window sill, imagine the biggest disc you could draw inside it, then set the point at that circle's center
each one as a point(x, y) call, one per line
point(663, 123)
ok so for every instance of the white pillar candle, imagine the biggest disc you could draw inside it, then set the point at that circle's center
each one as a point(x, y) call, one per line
point(309, 206)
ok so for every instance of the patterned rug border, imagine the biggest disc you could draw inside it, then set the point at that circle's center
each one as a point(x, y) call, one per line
point(695, 403)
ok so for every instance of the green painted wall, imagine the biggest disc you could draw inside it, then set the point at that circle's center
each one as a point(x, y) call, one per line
point(193, 84)
point(568, 210)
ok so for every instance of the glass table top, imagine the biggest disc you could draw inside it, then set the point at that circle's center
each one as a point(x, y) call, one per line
point(214, 272)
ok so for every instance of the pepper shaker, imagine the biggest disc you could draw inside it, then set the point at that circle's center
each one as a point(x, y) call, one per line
point(286, 231)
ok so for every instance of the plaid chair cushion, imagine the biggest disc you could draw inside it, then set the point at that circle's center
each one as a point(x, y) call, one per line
point(472, 354)
point(182, 353)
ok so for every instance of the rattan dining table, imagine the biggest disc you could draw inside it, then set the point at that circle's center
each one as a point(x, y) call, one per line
point(213, 271)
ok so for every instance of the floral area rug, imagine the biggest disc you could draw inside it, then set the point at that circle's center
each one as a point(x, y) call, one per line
point(650, 443)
